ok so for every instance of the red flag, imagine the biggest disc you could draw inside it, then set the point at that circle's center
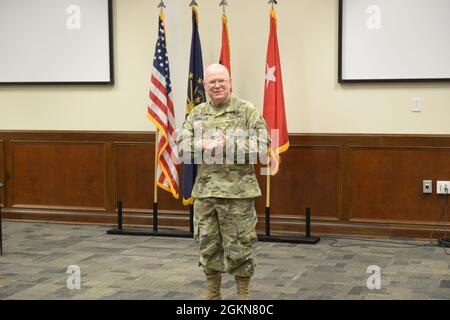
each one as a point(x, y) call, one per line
point(225, 51)
point(274, 112)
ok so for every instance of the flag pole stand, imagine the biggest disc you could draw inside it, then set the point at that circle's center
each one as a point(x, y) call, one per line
point(273, 107)
point(144, 232)
point(307, 239)
point(156, 232)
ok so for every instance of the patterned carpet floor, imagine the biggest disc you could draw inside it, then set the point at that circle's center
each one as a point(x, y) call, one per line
point(37, 257)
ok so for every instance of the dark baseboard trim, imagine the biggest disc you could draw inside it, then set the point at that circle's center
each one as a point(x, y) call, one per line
point(288, 226)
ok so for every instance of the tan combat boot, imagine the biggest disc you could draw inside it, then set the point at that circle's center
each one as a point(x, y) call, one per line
point(242, 285)
point(214, 282)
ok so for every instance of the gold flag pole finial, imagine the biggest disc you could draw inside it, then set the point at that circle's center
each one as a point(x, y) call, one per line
point(223, 4)
point(161, 5)
point(193, 3)
point(273, 2)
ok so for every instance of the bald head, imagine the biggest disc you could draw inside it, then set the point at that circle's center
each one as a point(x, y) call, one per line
point(216, 67)
point(218, 83)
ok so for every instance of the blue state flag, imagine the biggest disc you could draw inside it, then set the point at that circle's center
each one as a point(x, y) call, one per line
point(195, 96)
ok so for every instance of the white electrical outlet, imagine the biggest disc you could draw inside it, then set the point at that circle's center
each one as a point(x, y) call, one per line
point(441, 187)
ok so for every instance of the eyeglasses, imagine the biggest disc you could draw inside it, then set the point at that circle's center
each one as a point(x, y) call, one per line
point(220, 82)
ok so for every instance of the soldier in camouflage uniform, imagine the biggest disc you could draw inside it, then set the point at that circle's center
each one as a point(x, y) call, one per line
point(227, 133)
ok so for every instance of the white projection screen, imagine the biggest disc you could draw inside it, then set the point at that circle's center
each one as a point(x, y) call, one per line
point(56, 42)
point(394, 40)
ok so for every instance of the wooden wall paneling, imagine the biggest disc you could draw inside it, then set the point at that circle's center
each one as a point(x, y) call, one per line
point(387, 182)
point(63, 216)
point(135, 178)
point(79, 176)
point(308, 178)
point(135, 174)
point(58, 174)
point(135, 185)
point(344, 196)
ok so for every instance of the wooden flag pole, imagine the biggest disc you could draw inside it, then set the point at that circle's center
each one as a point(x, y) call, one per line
point(267, 224)
point(155, 186)
point(269, 172)
point(161, 6)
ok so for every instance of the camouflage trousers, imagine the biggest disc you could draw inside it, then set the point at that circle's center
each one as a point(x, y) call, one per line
point(225, 228)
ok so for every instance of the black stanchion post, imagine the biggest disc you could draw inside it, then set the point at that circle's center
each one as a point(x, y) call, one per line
point(119, 215)
point(267, 221)
point(191, 218)
point(308, 223)
point(155, 216)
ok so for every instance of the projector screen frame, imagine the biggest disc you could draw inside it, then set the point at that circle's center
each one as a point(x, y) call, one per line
point(111, 63)
point(389, 80)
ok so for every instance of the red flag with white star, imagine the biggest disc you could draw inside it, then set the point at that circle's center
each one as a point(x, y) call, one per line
point(274, 112)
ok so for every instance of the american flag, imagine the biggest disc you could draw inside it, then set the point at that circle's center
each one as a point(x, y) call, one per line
point(161, 113)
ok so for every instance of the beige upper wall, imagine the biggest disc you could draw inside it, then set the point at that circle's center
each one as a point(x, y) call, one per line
point(308, 40)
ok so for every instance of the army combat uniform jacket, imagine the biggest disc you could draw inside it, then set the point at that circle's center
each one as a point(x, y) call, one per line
point(236, 180)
